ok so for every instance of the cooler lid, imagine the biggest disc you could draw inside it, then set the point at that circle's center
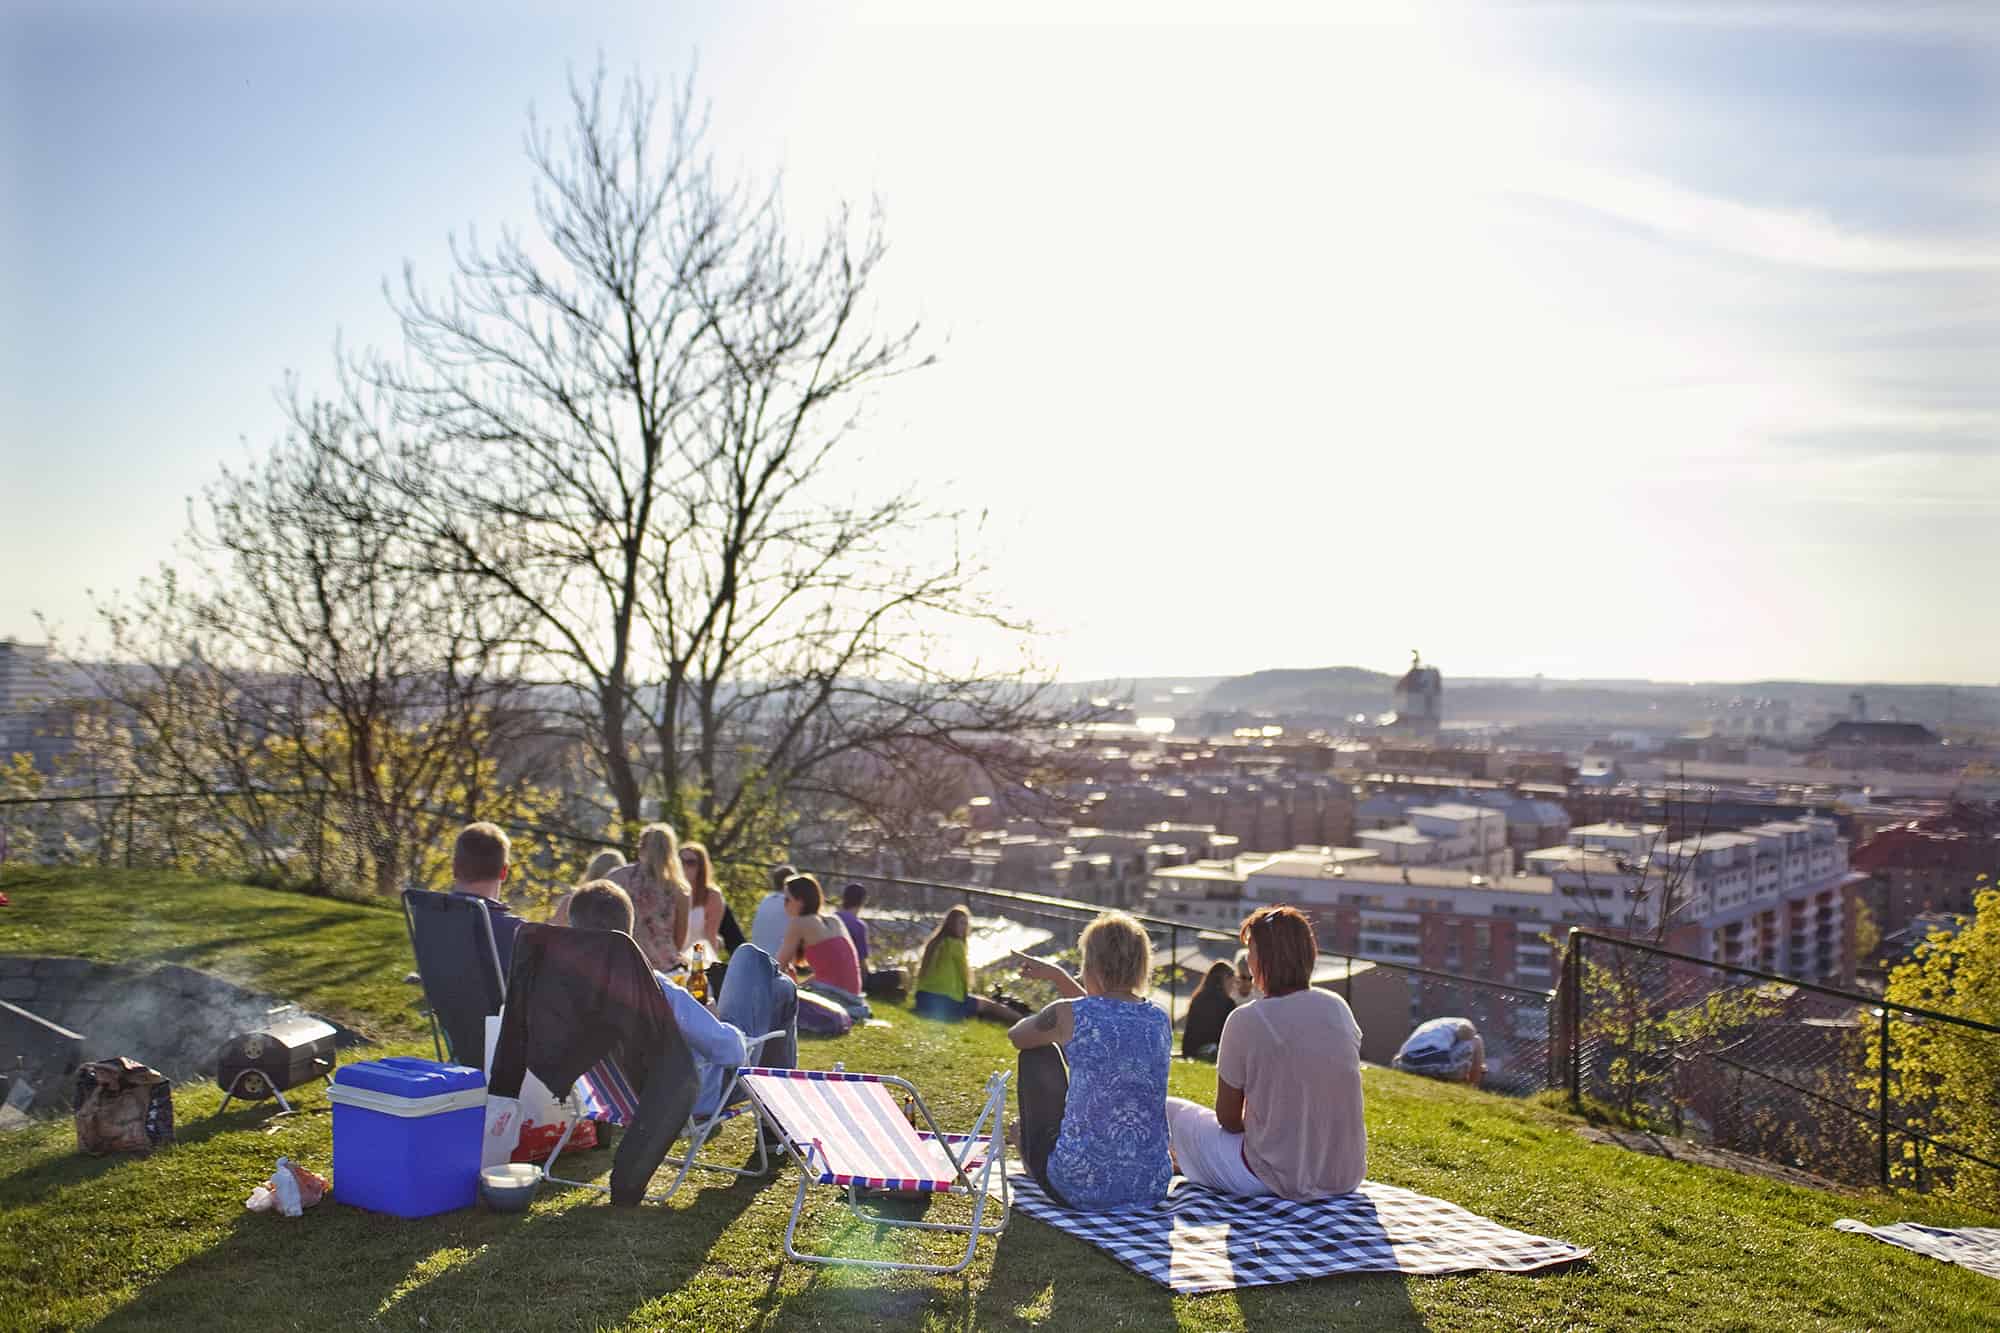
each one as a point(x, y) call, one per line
point(408, 1076)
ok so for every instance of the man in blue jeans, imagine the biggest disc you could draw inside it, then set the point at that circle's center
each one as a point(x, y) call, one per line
point(756, 998)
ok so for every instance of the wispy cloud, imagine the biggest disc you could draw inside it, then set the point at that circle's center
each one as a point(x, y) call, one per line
point(1779, 236)
point(1963, 19)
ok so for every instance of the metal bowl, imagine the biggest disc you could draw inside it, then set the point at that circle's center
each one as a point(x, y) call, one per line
point(509, 1187)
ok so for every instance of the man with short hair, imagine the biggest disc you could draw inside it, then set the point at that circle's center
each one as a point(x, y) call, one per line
point(767, 928)
point(718, 1043)
point(481, 860)
point(851, 899)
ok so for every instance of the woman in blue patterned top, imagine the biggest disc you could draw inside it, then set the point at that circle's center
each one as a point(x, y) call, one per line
point(1094, 1124)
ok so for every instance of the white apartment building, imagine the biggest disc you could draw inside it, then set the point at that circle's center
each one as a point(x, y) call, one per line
point(1771, 896)
point(1449, 920)
point(1446, 837)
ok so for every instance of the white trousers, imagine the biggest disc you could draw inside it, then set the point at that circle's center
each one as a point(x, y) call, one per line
point(1207, 1153)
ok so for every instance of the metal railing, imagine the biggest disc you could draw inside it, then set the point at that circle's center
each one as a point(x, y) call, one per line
point(1514, 1020)
point(308, 838)
point(1791, 1070)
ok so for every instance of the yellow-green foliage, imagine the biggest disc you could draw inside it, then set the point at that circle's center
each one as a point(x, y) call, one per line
point(1945, 1079)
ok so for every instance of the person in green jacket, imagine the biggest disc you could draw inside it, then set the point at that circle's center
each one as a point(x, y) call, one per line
point(944, 977)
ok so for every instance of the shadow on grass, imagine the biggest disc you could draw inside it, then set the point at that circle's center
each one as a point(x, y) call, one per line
point(575, 1261)
point(72, 1167)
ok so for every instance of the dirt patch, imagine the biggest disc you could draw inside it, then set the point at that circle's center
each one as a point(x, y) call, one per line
point(1685, 1150)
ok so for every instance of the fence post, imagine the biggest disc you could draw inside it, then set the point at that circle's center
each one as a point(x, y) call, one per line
point(1173, 974)
point(129, 803)
point(1882, 1100)
point(319, 839)
point(1347, 980)
point(1573, 982)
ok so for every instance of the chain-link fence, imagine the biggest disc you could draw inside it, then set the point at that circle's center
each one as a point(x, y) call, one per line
point(1827, 1080)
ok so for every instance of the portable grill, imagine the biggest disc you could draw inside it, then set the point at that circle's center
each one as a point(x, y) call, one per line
point(282, 1054)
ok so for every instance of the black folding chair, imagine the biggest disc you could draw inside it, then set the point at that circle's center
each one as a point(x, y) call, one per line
point(452, 937)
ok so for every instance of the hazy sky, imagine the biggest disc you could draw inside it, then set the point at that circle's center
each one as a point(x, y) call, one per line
point(1636, 339)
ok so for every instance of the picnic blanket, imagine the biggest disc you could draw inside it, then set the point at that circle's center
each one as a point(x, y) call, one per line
point(1198, 1240)
point(1976, 1248)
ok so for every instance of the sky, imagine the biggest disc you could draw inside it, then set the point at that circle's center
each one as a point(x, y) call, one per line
point(1622, 340)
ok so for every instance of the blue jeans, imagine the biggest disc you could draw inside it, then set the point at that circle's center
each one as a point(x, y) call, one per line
point(929, 1004)
point(756, 998)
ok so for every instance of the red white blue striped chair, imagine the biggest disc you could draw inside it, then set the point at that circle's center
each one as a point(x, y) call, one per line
point(846, 1130)
point(605, 1094)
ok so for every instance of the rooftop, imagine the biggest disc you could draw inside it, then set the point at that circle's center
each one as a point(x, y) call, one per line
point(1454, 810)
point(1401, 833)
point(1618, 830)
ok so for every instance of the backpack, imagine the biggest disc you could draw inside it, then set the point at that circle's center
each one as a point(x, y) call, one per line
point(122, 1106)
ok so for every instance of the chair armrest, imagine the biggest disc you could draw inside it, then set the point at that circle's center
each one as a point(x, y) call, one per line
point(754, 1046)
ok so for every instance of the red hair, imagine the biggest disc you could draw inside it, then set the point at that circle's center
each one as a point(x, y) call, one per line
point(1286, 948)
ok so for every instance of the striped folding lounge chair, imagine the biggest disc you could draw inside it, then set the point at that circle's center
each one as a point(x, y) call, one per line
point(606, 1094)
point(847, 1131)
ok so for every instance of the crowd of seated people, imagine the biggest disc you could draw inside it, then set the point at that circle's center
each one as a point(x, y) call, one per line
point(1097, 1129)
point(755, 997)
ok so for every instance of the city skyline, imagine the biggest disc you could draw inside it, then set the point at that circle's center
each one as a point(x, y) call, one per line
point(1636, 346)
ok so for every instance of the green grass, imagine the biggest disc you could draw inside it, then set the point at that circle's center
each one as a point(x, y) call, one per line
point(343, 959)
point(163, 1242)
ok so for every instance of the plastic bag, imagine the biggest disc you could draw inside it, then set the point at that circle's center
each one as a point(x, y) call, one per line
point(289, 1192)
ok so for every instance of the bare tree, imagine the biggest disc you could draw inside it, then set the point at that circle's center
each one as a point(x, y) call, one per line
point(308, 645)
point(622, 428)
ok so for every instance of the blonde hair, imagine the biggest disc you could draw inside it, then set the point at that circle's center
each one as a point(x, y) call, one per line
point(1119, 951)
point(603, 864)
point(659, 860)
point(960, 918)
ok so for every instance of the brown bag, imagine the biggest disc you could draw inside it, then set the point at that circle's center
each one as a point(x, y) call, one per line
point(122, 1106)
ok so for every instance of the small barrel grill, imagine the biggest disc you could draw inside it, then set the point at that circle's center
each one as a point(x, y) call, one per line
point(291, 1049)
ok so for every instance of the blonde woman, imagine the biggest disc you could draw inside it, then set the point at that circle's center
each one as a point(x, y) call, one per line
point(658, 888)
point(1093, 1075)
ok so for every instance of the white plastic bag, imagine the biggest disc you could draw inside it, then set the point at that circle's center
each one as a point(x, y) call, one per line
point(507, 1117)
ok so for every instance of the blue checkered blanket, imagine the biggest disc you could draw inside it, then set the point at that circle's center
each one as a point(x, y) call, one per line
point(1198, 1240)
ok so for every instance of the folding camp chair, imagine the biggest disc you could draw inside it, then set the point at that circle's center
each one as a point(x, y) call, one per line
point(459, 964)
point(575, 983)
point(846, 1130)
point(605, 1094)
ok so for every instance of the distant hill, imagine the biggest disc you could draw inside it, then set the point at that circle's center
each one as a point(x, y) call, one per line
point(1316, 691)
point(1324, 695)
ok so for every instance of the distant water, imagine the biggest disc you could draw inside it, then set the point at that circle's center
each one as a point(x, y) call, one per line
point(991, 940)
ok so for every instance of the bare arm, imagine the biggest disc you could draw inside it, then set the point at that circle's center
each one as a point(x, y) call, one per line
point(1034, 969)
point(794, 946)
point(1229, 1107)
point(1054, 1026)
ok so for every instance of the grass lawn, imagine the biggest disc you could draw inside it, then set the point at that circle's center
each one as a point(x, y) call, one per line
point(163, 1242)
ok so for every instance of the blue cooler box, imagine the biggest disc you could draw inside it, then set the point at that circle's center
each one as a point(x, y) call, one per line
point(406, 1135)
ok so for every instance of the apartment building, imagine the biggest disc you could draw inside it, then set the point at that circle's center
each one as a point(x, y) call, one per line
point(1776, 895)
point(1447, 837)
point(1452, 920)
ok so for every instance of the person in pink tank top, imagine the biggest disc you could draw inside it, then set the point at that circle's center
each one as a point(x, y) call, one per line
point(817, 939)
